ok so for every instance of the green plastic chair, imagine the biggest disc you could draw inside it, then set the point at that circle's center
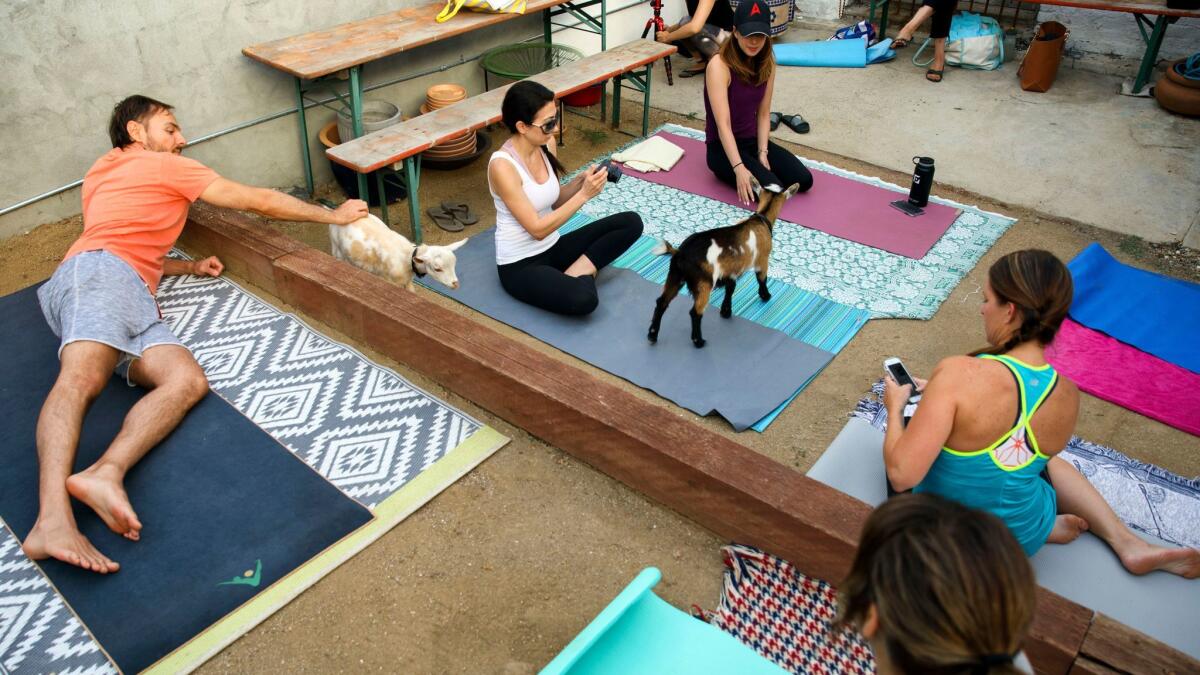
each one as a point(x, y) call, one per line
point(641, 633)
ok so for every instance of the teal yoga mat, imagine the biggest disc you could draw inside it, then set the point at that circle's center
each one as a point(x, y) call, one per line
point(641, 633)
point(833, 53)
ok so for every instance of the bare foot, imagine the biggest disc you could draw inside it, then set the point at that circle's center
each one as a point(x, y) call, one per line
point(1145, 558)
point(106, 496)
point(65, 543)
point(1067, 528)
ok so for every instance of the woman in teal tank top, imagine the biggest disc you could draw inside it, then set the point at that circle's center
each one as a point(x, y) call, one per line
point(990, 424)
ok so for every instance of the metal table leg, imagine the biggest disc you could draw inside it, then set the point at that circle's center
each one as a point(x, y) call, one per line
point(1153, 43)
point(616, 106)
point(356, 103)
point(305, 159)
point(646, 101)
point(379, 185)
point(412, 180)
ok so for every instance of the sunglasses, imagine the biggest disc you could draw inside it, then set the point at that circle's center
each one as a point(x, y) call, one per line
point(548, 126)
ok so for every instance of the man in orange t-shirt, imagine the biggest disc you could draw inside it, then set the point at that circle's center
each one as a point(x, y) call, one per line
point(100, 302)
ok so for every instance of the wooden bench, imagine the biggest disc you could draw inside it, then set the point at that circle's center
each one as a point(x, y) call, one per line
point(728, 488)
point(403, 142)
point(320, 59)
point(1139, 10)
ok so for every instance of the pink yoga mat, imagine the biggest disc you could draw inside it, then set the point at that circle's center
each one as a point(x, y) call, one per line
point(1125, 375)
point(839, 206)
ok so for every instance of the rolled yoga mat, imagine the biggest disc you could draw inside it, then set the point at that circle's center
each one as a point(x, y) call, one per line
point(744, 372)
point(839, 206)
point(1124, 375)
point(1152, 312)
point(226, 510)
point(1163, 606)
point(826, 53)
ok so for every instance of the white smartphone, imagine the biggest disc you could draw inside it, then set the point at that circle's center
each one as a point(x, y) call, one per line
point(896, 370)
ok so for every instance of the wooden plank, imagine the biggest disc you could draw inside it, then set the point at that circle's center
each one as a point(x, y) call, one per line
point(322, 52)
point(724, 486)
point(397, 142)
point(247, 246)
point(1153, 8)
point(1124, 649)
point(1085, 666)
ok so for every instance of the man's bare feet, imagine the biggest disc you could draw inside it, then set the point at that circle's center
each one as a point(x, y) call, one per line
point(64, 542)
point(1144, 557)
point(1067, 528)
point(102, 490)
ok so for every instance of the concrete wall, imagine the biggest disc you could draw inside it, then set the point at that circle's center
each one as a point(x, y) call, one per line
point(1110, 41)
point(67, 62)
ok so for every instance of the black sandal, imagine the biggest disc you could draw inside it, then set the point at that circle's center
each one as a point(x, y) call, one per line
point(461, 212)
point(796, 123)
point(444, 220)
point(931, 72)
point(692, 72)
point(898, 43)
point(775, 119)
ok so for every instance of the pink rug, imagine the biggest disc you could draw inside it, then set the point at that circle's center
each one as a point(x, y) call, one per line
point(839, 206)
point(1116, 372)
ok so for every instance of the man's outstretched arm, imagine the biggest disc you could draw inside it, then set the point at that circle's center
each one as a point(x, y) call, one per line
point(275, 204)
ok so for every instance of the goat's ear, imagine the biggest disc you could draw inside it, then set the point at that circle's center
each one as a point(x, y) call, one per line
point(457, 245)
point(792, 190)
point(755, 186)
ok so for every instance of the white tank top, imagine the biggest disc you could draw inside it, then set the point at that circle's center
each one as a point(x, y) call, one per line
point(513, 241)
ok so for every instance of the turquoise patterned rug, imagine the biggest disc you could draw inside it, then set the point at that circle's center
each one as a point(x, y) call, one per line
point(799, 314)
point(851, 274)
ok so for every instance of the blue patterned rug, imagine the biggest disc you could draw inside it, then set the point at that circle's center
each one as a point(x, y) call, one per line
point(852, 274)
point(1146, 497)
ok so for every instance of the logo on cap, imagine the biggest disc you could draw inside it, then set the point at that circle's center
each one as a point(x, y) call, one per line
point(754, 9)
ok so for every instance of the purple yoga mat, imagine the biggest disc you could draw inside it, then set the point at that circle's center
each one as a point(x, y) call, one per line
point(839, 206)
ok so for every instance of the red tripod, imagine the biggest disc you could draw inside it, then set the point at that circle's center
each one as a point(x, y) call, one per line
point(657, 24)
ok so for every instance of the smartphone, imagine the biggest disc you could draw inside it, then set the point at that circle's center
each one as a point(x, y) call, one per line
point(895, 368)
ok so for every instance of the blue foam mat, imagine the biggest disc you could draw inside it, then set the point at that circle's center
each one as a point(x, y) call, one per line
point(216, 497)
point(1157, 314)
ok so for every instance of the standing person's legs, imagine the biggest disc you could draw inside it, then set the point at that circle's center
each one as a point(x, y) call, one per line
point(939, 30)
point(175, 383)
point(85, 369)
point(920, 17)
point(1077, 496)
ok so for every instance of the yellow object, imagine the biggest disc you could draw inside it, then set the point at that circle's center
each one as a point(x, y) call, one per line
point(493, 6)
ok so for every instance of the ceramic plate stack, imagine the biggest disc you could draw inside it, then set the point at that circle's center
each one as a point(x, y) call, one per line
point(440, 96)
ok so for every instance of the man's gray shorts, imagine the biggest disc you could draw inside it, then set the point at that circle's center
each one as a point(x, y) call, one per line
point(96, 296)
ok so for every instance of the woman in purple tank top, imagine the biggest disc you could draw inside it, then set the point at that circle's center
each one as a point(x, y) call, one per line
point(738, 85)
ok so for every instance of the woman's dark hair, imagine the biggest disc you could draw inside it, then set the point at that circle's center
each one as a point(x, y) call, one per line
point(522, 101)
point(952, 589)
point(1040, 286)
point(753, 71)
point(136, 108)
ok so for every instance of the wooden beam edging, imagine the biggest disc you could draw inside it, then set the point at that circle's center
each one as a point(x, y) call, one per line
point(726, 487)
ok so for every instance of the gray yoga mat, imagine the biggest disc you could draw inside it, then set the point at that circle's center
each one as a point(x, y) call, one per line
point(743, 373)
point(1161, 605)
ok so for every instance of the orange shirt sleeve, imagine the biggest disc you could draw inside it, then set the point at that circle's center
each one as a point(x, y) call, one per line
point(186, 176)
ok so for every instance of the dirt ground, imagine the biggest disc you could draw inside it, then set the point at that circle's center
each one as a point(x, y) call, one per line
point(504, 567)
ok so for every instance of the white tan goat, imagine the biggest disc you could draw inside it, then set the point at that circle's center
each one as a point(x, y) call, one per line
point(370, 245)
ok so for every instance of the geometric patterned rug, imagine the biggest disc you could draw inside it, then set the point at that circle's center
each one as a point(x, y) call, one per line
point(786, 616)
point(846, 272)
point(377, 437)
point(38, 632)
point(1146, 497)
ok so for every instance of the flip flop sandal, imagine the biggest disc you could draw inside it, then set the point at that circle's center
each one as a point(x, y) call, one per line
point(775, 118)
point(939, 73)
point(796, 123)
point(444, 220)
point(461, 212)
point(898, 43)
point(692, 72)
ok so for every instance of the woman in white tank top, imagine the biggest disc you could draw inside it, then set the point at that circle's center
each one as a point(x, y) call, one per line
point(535, 264)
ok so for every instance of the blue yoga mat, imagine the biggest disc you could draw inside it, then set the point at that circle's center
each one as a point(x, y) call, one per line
point(217, 498)
point(1157, 314)
point(744, 372)
point(833, 53)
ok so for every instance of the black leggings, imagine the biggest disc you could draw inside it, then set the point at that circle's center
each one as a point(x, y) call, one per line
point(785, 170)
point(943, 12)
point(539, 280)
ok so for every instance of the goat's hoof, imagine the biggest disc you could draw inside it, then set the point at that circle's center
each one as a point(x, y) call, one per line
point(764, 296)
point(726, 313)
point(699, 343)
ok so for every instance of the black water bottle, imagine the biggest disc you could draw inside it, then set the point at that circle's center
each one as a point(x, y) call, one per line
point(922, 182)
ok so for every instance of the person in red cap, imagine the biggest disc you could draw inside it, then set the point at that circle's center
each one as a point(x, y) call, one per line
point(738, 85)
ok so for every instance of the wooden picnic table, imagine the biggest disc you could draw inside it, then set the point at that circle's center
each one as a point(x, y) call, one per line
point(404, 142)
point(1140, 11)
point(316, 59)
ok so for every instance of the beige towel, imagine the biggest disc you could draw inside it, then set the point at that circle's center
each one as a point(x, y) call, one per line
point(653, 154)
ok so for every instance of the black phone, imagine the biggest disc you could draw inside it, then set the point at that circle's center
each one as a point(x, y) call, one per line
point(906, 208)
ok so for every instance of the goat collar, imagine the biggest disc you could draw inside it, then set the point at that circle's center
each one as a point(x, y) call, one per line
point(413, 261)
point(763, 218)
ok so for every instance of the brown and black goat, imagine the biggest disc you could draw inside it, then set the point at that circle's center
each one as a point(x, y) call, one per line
point(717, 257)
